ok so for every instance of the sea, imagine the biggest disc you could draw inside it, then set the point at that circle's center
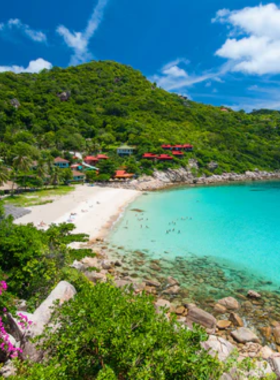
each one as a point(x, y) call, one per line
point(213, 237)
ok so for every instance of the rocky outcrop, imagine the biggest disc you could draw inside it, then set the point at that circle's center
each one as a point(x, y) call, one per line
point(253, 294)
point(230, 303)
point(187, 175)
point(244, 335)
point(64, 96)
point(15, 103)
point(201, 317)
point(217, 345)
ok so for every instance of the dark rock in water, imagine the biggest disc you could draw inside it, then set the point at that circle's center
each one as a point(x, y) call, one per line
point(137, 210)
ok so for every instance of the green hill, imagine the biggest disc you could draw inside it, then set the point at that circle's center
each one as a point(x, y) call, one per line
point(110, 103)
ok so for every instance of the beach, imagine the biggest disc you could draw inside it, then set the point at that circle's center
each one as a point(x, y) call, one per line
point(92, 210)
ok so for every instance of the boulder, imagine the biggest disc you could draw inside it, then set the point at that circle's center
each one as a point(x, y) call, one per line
point(276, 334)
point(91, 262)
point(236, 320)
point(253, 294)
point(64, 96)
point(122, 283)
point(201, 317)
point(223, 324)
point(172, 290)
point(180, 310)
point(213, 165)
point(229, 303)
point(171, 281)
point(162, 303)
point(154, 283)
point(219, 346)
point(8, 369)
point(96, 277)
point(266, 352)
point(220, 309)
point(79, 266)
point(106, 264)
point(15, 103)
point(274, 361)
point(244, 335)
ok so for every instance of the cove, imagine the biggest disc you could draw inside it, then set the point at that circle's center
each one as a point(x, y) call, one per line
point(234, 226)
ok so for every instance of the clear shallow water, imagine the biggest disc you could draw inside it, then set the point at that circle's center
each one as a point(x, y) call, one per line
point(237, 227)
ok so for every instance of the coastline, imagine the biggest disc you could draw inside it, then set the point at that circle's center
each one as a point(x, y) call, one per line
point(92, 210)
point(183, 177)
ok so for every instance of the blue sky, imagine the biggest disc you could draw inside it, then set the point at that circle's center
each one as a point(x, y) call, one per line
point(214, 51)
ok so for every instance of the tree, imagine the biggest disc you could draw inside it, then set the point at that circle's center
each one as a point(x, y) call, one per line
point(66, 175)
point(56, 176)
point(4, 174)
point(107, 167)
point(42, 169)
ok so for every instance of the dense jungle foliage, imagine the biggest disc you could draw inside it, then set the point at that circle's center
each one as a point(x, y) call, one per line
point(109, 104)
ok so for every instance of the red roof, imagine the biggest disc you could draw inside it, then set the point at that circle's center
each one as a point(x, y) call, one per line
point(59, 159)
point(165, 157)
point(149, 155)
point(177, 153)
point(102, 157)
point(78, 174)
point(187, 146)
point(75, 166)
point(166, 146)
point(123, 174)
point(91, 158)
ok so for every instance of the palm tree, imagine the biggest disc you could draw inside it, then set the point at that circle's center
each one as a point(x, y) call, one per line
point(55, 176)
point(42, 169)
point(4, 174)
point(22, 163)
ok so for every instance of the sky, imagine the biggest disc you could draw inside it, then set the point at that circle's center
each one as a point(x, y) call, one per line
point(220, 52)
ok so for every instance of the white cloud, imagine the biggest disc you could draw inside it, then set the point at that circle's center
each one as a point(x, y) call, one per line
point(79, 41)
point(33, 67)
point(15, 23)
point(256, 46)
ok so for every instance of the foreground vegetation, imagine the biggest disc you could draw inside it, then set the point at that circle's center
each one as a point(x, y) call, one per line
point(108, 104)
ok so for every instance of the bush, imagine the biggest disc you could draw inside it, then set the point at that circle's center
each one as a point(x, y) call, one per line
point(108, 333)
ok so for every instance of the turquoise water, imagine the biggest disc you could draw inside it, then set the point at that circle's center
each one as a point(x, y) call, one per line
point(235, 226)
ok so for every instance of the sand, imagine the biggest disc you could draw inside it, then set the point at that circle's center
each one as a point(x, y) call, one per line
point(91, 209)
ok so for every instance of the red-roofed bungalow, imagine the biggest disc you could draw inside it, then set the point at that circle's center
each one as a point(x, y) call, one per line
point(177, 153)
point(167, 147)
point(150, 156)
point(122, 174)
point(61, 162)
point(188, 147)
point(90, 160)
point(102, 157)
point(164, 157)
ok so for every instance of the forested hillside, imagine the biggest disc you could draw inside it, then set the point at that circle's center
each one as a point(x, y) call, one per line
point(107, 103)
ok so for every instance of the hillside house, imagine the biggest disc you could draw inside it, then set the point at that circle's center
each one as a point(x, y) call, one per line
point(150, 156)
point(184, 147)
point(164, 157)
point(125, 150)
point(91, 160)
point(102, 157)
point(78, 176)
point(122, 174)
point(178, 153)
point(61, 163)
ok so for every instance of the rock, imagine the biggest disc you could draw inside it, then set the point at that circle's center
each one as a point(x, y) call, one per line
point(218, 345)
point(173, 290)
point(91, 262)
point(213, 165)
point(253, 294)
point(220, 309)
point(21, 305)
point(64, 96)
point(180, 310)
point(79, 266)
point(251, 350)
point(171, 281)
point(96, 277)
point(106, 264)
point(266, 331)
point(266, 352)
point(274, 361)
point(263, 369)
point(236, 320)
point(201, 317)
point(226, 376)
point(229, 303)
point(154, 283)
point(15, 103)
point(244, 335)
point(162, 303)
point(117, 263)
point(8, 369)
point(122, 283)
point(223, 324)
point(276, 334)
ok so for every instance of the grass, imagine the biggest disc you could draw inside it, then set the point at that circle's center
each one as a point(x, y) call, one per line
point(37, 197)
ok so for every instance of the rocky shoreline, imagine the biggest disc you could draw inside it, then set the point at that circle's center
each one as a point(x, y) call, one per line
point(184, 176)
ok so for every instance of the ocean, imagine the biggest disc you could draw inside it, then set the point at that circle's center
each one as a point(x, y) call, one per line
point(234, 229)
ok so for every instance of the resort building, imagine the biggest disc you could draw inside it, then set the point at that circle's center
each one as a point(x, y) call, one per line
point(178, 153)
point(164, 157)
point(185, 147)
point(122, 174)
point(125, 150)
point(91, 160)
point(77, 167)
point(78, 176)
point(102, 157)
point(61, 163)
point(150, 156)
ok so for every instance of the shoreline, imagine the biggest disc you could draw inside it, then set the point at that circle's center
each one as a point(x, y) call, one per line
point(173, 178)
point(93, 210)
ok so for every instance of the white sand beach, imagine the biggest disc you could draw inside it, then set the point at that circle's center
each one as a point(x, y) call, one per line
point(91, 209)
